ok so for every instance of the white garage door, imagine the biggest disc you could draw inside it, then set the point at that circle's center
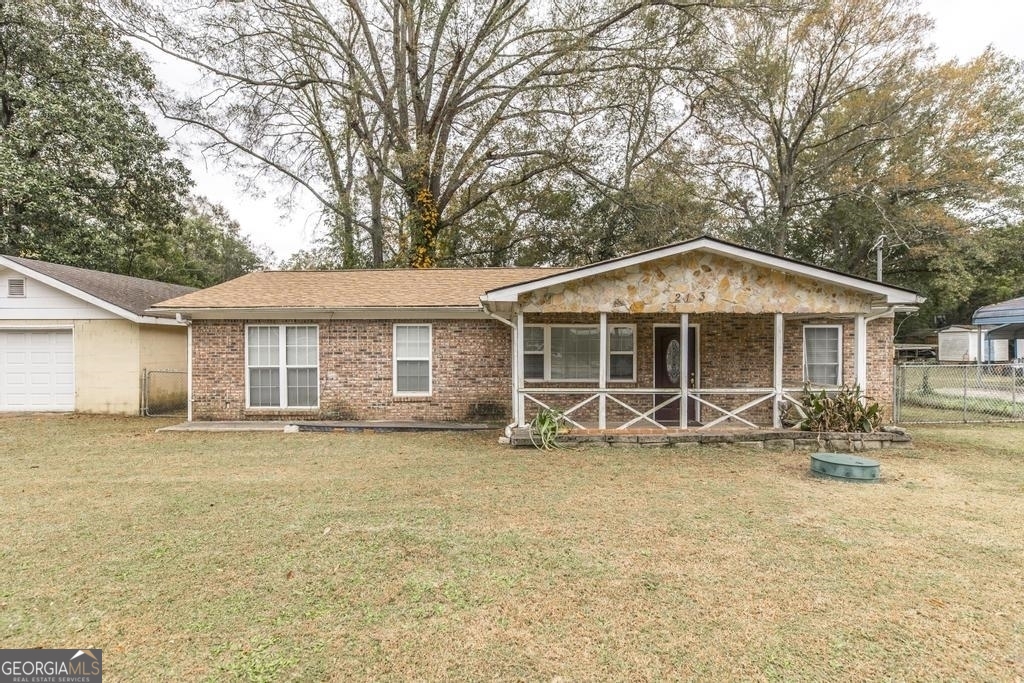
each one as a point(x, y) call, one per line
point(37, 370)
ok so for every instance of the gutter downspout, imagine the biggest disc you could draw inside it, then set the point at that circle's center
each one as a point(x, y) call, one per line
point(888, 311)
point(188, 363)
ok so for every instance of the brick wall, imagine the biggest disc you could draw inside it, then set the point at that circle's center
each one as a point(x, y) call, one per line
point(471, 372)
point(879, 360)
point(472, 367)
point(881, 353)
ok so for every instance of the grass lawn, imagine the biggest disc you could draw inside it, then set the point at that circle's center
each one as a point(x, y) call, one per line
point(323, 556)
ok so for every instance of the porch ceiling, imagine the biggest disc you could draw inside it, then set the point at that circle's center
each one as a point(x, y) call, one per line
point(697, 282)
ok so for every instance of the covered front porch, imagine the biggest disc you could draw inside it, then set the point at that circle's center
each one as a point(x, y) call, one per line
point(742, 371)
point(702, 336)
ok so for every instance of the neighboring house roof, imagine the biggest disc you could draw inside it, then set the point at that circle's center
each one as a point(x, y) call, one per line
point(129, 297)
point(893, 295)
point(1002, 313)
point(355, 289)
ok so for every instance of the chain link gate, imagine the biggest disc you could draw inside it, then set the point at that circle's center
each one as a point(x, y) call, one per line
point(926, 392)
point(164, 393)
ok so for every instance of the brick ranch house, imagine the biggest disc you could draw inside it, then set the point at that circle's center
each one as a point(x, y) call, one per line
point(731, 333)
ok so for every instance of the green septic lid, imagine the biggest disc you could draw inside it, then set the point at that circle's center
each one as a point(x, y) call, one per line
point(844, 466)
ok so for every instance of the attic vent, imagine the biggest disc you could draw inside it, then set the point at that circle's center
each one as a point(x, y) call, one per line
point(16, 287)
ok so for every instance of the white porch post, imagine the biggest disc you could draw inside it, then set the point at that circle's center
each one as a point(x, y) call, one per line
point(860, 343)
point(684, 370)
point(777, 386)
point(518, 372)
point(602, 383)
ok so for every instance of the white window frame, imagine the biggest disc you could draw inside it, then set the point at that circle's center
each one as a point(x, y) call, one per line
point(24, 287)
point(430, 361)
point(282, 368)
point(839, 352)
point(543, 353)
point(632, 377)
point(547, 353)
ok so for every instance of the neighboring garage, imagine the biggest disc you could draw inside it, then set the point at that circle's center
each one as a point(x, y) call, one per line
point(73, 339)
point(37, 370)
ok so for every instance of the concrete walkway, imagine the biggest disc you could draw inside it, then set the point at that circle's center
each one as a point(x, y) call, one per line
point(233, 426)
point(328, 426)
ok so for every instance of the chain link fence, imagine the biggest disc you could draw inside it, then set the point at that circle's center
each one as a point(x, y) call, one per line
point(164, 393)
point(926, 392)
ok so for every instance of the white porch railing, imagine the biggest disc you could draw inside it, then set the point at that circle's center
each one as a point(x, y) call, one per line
point(545, 397)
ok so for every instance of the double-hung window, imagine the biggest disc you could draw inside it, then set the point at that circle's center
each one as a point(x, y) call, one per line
point(562, 353)
point(621, 353)
point(533, 352)
point(412, 360)
point(823, 354)
point(282, 365)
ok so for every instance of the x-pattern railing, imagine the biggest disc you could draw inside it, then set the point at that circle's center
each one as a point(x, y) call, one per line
point(663, 397)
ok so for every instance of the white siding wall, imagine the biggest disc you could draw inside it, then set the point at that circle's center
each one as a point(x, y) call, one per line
point(958, 346)
point(42, 302)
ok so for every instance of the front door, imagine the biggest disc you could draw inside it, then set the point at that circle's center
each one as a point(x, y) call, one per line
point(667, 372)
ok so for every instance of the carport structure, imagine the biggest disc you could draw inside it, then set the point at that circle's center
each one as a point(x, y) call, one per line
point(1004, 320)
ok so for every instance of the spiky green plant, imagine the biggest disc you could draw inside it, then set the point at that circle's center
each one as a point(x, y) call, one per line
point(545, 428)
point(841, 410)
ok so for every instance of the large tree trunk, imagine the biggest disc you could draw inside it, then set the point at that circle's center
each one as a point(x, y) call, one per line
point(424, 220)
point(375, 184)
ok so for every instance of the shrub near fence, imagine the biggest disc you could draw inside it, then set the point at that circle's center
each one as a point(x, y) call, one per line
point(958, 393)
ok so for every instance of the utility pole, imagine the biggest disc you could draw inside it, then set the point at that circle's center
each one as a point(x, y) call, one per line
point(877, 248)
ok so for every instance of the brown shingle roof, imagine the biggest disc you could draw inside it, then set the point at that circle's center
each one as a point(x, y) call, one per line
point(345, 289)
point(133, 294)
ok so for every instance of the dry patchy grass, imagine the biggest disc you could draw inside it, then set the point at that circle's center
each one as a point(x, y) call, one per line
point(320, 556)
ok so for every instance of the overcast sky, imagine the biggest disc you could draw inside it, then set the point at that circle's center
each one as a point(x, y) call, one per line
point(963, 28)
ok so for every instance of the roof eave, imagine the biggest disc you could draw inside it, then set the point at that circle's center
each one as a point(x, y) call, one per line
point(321, 312)
point(997, 320)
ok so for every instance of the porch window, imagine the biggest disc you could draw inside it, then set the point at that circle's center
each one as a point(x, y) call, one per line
point(533, 352)
point(622, 353)
point(575, 353)
point(282, 366)
point(562, 353)
point(823, 354)
point(412, 360)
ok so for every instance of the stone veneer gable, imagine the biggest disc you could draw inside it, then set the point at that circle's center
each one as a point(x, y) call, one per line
point(697, 282)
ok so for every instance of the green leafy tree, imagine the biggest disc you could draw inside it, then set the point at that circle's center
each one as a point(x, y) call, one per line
point(801, 92)
point(205, 247)
point(834, 123)
point(84, 177)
